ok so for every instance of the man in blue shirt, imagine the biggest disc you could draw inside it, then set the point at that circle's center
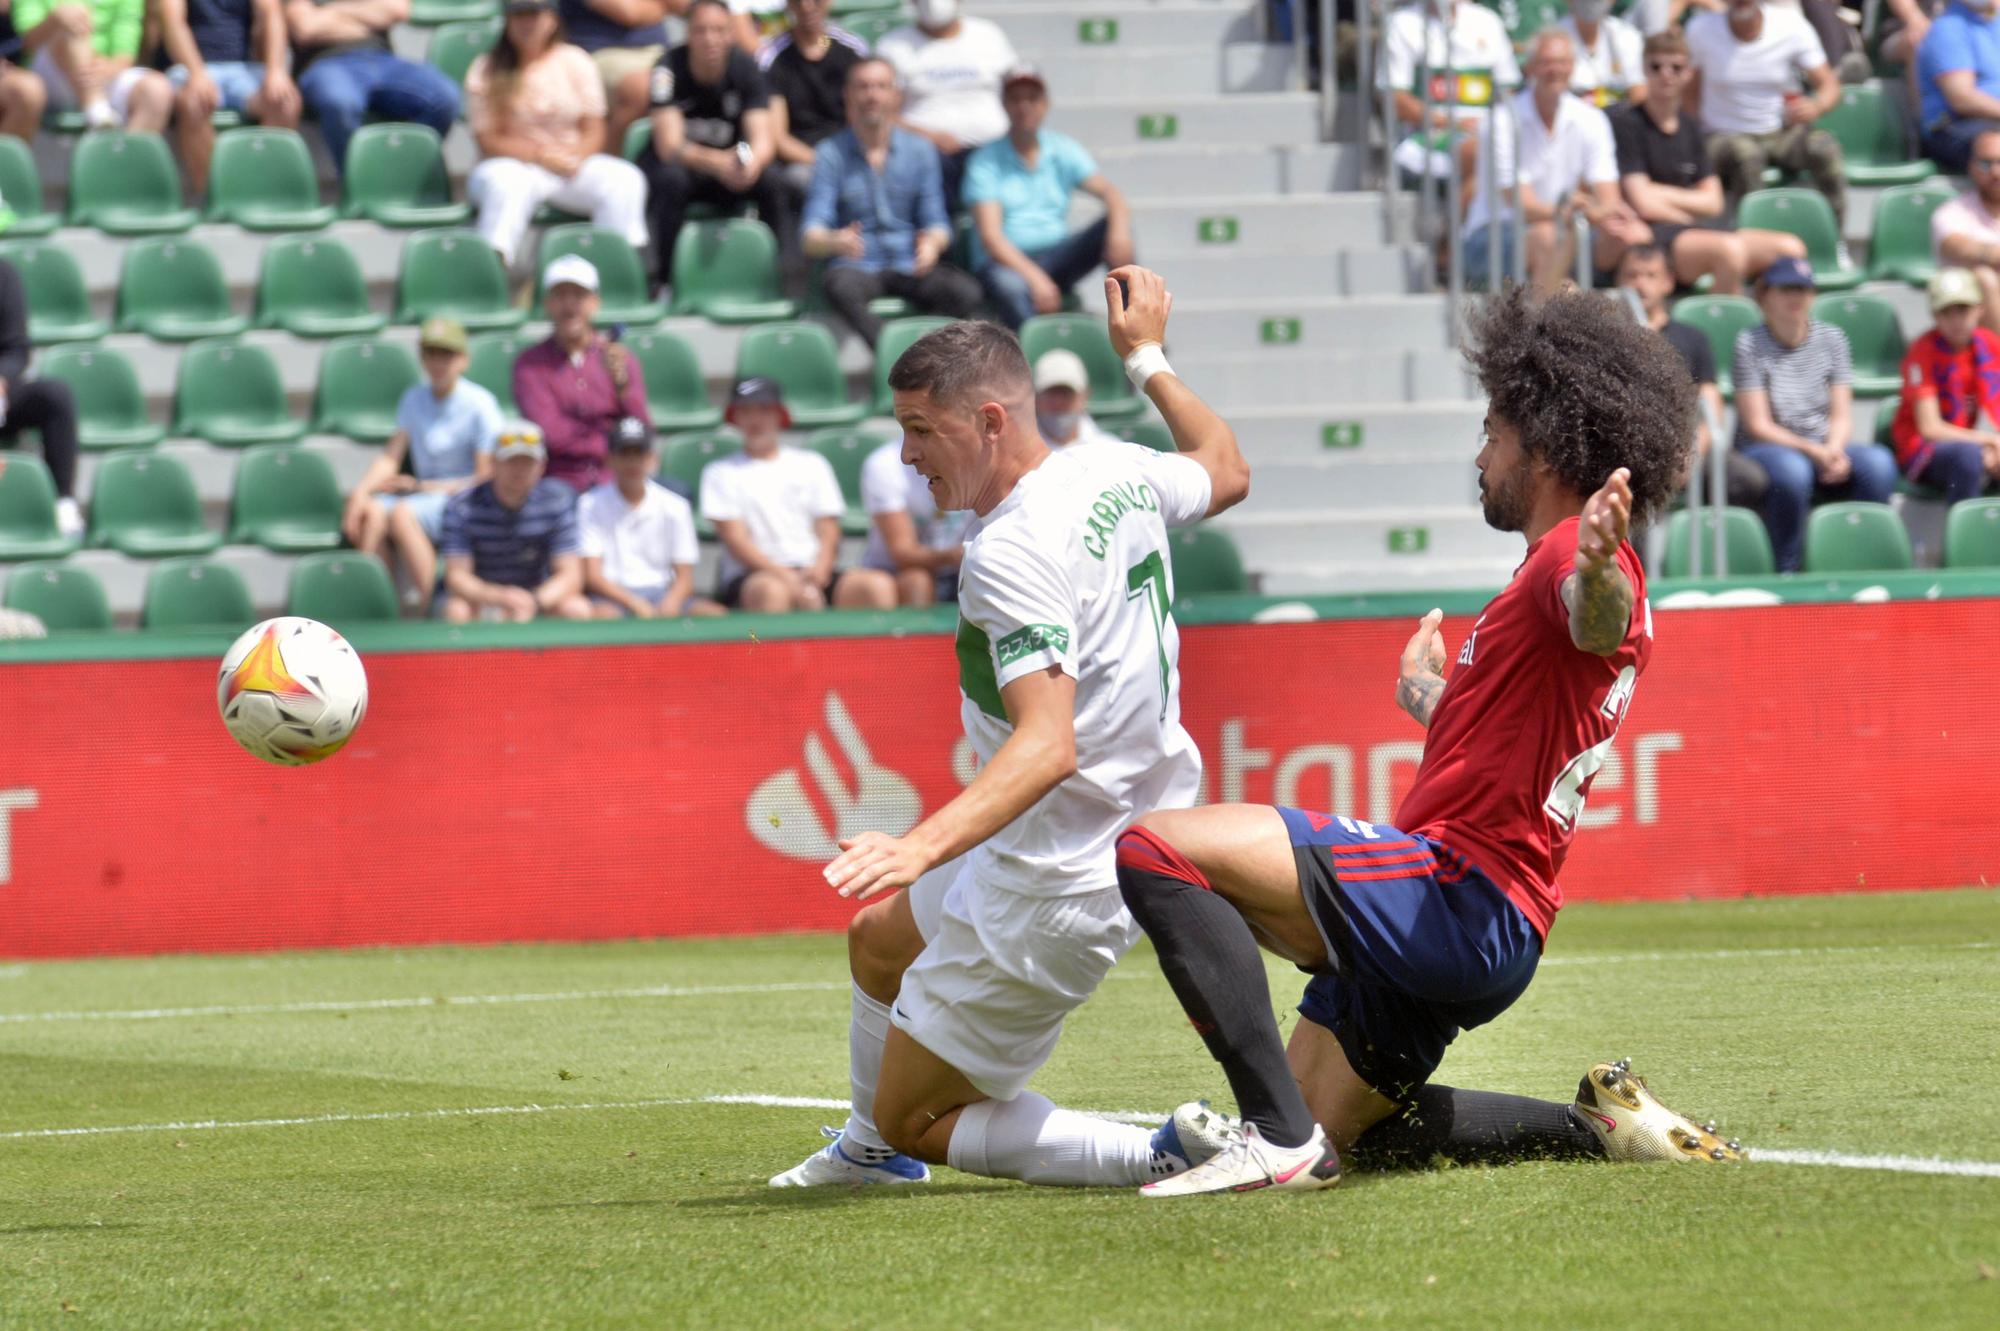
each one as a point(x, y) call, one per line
point(511, 546)
point(1958, 73)
point(875, 212)
point(1018, 189)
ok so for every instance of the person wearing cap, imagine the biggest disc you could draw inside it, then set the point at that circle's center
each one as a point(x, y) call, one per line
point(1945, 428)
point(226, 55)
point(1795, 411)
point(1062, 401)
point(1018, 189)
point(577, 384)
point(638, 536)
point(949, 66)
point(445, 432)
point(346, 70)
point(777, 512)
point(908, 538)
point(536, 108)
point(511, 546)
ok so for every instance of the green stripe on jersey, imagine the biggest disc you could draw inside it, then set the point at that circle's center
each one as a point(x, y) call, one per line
point(975, 670)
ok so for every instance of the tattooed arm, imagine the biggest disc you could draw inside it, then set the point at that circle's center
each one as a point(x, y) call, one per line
point(1420, 681)
point(1598, 595)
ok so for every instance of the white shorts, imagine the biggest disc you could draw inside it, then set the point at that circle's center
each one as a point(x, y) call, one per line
point(62, 97)
point(999, 972)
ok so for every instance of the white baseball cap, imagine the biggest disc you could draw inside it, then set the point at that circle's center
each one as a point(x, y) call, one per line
point(1061, 368)
point(571, 268)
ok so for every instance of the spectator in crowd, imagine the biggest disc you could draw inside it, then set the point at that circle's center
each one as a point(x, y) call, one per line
point(908, 539)
point(536, 108)
point(1900, 29)
point(1747, 65)
point(806, 68)
point(446, 428)
point(42, 405)
point(1609, 63)
point(624, 39)
point(1655, 16)
point(712, 138)
point(23, 96)
point(949, 66)
point(876, 212)
point(1567, 168)
point(577, 384)
point(1018, 190)
point(346, 70)
point(1432, 35)
point(1965, 232)
point(87, 56)
point(211, 44)
point(777, 511)
point(1945, 428)
point(1795, 411)
point(1668, 179)
point(1062, 401)
point(511, 548)
point(1958, 81)
point(639, 548)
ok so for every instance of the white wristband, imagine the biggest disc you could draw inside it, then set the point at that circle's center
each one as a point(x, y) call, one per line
point(1146, 360)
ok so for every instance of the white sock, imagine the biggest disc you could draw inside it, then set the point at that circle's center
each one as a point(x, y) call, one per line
point(1028, 1138)
point(867, 1032)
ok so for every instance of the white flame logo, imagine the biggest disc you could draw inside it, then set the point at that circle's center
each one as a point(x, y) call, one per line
point(784, 819)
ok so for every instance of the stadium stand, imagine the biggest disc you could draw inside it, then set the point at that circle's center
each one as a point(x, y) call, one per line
point(286, 500)
point(65, 597)
point(28, 512)
point(230, 394)
point(128, 184)
point(1856, 538)
point(313, 287)
point(1747, 544)
point(111, 409)
point(263, 180)
point(803, 359)
point(361, 379)
point(727, 272)
point(676, 395)
point(621, 273)
point(196, 594)
point(1972, 537)
point(340, 588)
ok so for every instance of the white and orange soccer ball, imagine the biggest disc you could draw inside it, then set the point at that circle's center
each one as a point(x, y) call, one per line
point(292, 691)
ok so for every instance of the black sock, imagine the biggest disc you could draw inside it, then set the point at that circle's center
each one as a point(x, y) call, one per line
point(1212, 962)
point(1474, 1128)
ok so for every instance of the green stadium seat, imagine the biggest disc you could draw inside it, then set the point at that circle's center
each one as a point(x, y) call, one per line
point(361, 382)
point(58, 303)
point(265, 180)
point(1972, 534)
point(621, 274)
point(870, 26)
point(231, 394)
point(66, 598)
point(846, 450)
point(1873, 335)
point(727, 272)
point(897, 337)
point(1153, 434)
point(676, 393)
point(454, 46)
point(21, 188)
point(196, 594)
point(1745, 544)
point(1206, 562)
point(341, 587)
point(1720, 319)
point(28, 512)
point(1899, 245)
point(312, 287)
point(172, 291)
point(491, 366)
point(1804, 213)
point(1856, 538)
point(802, 357)
point(432, 13)
point(287, 500)
point(454, 273)
point(145, 505)
point(638, 138)
point(1113, 401)
point(1874, 144)
point(683, 457)
point(396, 177)
point(127, 183)
point(1525, 18)
point(110, 406)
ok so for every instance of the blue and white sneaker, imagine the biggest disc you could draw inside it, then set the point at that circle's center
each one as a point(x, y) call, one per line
point(1194, 1135)
point(835, 1165)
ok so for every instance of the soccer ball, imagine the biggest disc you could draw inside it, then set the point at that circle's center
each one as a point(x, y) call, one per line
point(292, 691)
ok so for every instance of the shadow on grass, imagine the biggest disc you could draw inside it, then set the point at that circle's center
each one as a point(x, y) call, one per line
point(73, 1227)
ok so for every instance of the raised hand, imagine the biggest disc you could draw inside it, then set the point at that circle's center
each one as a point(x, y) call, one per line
point(1137, 312)
point(1607, 517)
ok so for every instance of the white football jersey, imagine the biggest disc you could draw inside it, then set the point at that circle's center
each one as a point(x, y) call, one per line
point(1072, 570)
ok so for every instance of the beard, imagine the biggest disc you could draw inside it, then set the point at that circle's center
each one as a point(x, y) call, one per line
point(1504, 501)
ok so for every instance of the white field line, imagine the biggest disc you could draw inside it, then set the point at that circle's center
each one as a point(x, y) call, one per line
point(1894, 1164)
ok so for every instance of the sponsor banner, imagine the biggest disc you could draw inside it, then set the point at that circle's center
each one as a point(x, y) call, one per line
point(618, 791)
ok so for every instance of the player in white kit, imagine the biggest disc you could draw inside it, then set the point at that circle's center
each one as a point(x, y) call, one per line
point(1067, 653)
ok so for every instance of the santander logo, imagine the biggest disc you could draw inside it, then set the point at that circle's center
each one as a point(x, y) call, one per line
point(785, 813)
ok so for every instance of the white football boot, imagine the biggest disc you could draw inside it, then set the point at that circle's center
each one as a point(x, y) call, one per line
point(833, 1165)
point(1634, 1126)
point(1192, 1135)
point(1250, 1164)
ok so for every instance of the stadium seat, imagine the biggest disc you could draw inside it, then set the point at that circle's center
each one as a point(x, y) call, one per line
point(396, 177)
point(58, 303)
point(66, 598)
point(1745, 544)
point(1873, 335)
point(21, 187)
point(638, 137)
point(1720, 319)
point(1113, 402)
point(28, 512)
point(1856, 538)
point(491, 366)
point(265, 180)
point(846, 450)
point(897, 337)
point(870, 26)
point(1972, 534)
point(341, 587)
point(196, 594)
point(1804, 213)
point(110, 405)
point(683, 457)
point(454, 273)
point(361, 382)
point(621, 274)
point(1205, 562)
point(454, 46)
point(1153, 434)
point(172, 291)
point(287, 500)
point(231, 394)
point(127, 184)
point(145, 505)
point(1874, 144)
point(431, 13)
point(727, 272)
point(801, 357)
point(314, 288)
point(676, 394)
point(1899, 244)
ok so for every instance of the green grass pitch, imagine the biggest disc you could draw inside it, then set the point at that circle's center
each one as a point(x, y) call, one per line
point(614, 1197)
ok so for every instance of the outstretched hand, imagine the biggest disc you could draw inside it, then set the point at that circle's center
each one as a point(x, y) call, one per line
point(874, 862)
point(1136, 312)
point(1607, 517)
point(1424, 653)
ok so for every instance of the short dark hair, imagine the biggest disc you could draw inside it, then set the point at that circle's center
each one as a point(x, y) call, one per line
point(1590, 389)
point(1642, 254)
point(1665, 42)
point(863, 63)
point(963, 360)
point(722, 5)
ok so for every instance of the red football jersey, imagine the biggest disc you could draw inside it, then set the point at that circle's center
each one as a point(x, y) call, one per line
point(1523, 725)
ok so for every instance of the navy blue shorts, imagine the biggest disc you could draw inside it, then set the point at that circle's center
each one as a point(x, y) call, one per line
point(1420, 945)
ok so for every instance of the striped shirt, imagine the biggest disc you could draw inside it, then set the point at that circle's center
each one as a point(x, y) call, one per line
point(1799, 379)
point(515, 547)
